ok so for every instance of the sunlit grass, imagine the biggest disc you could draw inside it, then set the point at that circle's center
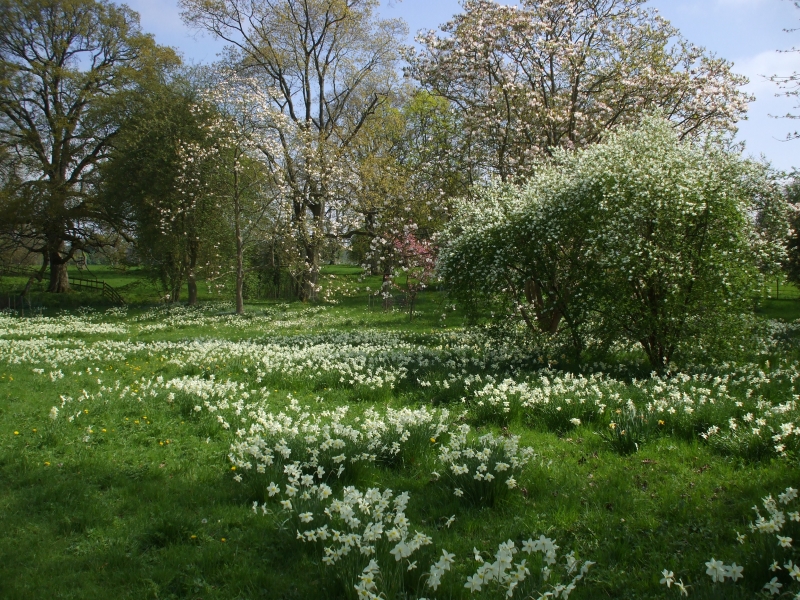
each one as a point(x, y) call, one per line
point(135, 497)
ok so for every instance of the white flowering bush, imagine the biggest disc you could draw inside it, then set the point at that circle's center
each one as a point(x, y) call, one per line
point(643, 238)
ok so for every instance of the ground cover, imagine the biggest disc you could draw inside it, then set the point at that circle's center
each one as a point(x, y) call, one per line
point(167, 452)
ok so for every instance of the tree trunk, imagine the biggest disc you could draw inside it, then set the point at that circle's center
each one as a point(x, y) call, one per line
point(548, 318)
point(192, 284)
point(239, 256)
point(59, 280)
point(310, 275)
point(191, 281)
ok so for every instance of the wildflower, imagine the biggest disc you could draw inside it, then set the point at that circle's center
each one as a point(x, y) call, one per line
point(773, 587)
point(474, 583)
point(787, 496)
point(715, 569)
point(784, 541)
point(683, 588)
point(458, 492)
point(668, 578)
point(794, 570)
point(306, 517)
point(734, 572)
point(740, 537)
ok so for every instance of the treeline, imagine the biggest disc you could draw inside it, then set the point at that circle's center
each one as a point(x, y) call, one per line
point(319, 132)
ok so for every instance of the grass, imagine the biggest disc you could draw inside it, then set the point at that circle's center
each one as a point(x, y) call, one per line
point(146, 506)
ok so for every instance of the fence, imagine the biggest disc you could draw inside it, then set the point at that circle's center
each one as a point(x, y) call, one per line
point(96, 285)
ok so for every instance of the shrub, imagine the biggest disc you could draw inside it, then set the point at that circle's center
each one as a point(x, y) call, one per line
point(646, 239)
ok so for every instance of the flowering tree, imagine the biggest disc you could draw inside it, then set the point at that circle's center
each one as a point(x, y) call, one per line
point(551, 74)
point(324, 67)
point(166, 196)
point(408, 262)
point(643, 238)
point(237, 181)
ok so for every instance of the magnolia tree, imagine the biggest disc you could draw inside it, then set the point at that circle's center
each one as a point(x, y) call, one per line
point(645, 238)
point(235, 180)
point(548, 74)
point(324, 68)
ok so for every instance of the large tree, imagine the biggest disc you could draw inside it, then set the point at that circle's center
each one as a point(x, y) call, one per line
point(551, 74)
point(157, 176)
point(65, 67)
point(324, 67)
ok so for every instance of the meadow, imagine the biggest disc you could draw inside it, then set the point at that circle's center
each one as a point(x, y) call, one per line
point(339, 450)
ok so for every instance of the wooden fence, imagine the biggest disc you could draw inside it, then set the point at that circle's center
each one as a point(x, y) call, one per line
point(93, 285)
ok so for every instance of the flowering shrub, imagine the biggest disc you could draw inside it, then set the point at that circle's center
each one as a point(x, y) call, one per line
point(643, 238)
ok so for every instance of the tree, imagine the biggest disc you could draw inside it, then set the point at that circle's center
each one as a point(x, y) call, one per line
point(65, 66)
point(166, 199)
point(325, 66)
point(231, 153)
point(551, 74)
point(644, 238)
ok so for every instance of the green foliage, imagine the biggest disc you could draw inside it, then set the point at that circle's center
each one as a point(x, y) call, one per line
point(644, 239)
point(68, 72)
point(175, 232)
point(149, 495)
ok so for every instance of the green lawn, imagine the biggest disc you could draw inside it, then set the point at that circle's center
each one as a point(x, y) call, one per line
point(129, 489)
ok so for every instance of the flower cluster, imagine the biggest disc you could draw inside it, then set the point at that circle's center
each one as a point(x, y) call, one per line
point(504, 573)
point(481, 469)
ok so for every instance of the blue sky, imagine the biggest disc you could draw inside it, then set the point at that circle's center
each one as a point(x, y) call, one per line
point(747, 32)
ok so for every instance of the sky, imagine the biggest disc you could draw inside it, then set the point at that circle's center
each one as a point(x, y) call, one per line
point(747, 32)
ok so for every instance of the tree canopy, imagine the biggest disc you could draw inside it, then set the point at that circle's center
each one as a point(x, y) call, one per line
point(65, 68)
